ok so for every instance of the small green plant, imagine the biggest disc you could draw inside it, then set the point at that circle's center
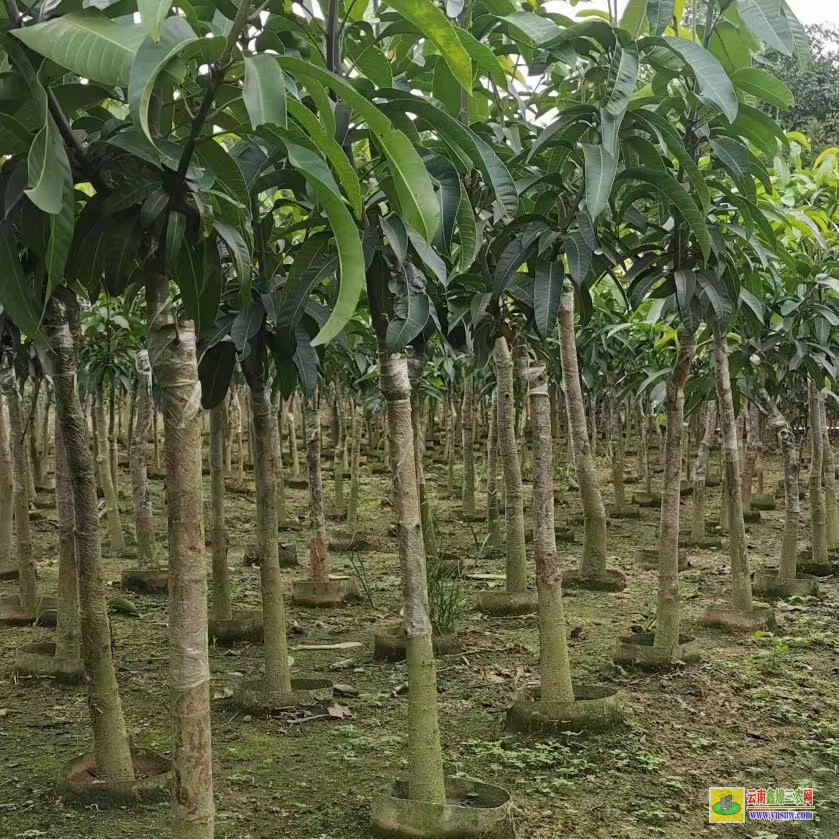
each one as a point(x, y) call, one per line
point(773, 652)
point(447, 599)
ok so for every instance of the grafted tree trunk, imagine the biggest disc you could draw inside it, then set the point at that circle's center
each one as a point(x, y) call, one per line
point(416, 369)
point(646, 473)
point(277, 429)
point(593, 560)
point(240, 435)
point(510, 468)
point(831, 503)
point(33, 433)
point(228, 433)
point(424, 753)
point(494, 538)
point(741, 584)
point(451, 436)
point(667, 610)
point(699, 476)
point(156, 436)
point(752, 452)
point(318, 556)
point(554, 665)
point(68, 644)
point(110, 737)
point(25, 561)
point(467, 414)
point(113, 447)
point(277, 682)
point(818, 513)
point(616, 428)
point(115, 539)
point(173, 359)
point(338, 455)
point(352, 503)
point(221, 584)
point(6, 489)
point(778, 423)
point(292, 439)
point(143, 516)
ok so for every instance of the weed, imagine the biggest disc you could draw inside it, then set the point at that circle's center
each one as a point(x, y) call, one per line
point(447, 599)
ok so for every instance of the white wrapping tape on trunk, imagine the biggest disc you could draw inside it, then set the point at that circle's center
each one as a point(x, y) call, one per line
point(188, 662)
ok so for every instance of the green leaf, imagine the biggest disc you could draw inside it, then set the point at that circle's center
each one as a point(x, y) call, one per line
point(211, 154)
point(305, 360)
point(763, 18)
point(175, 233)
point(547, 291)
point(735, 157)
point(152, 15)
point(48, 169)
point(418, 204)
point(763, 86)
point(61, 235)
point(311, 265)
point(16, 295)
point(601, 169)
point(152, 57)
point(199, 279)
point(88, 44)
point(412, 309)
point(759, 128)
point(264, 91)
point(625, 79)
point(467, 231)
point(215, 370)
point(675, 193)
point(540, 30)
point(660, 14)
point(435, 26)
point(714, 85)
point(348, 242)
point(240, 253)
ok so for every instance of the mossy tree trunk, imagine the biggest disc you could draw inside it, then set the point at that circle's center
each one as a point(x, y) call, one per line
point(7, 506)
point(699, 471)
point(467, 425)
point(818, 513)
point(110, 737)
point(667, 609)
point(741, 584)
point(516, 565)
point(221, 584)
point(593, 560)
point(115, 538)
point(277, 683)
point(318, 555)
point(424, 752)
point(173, 358)
point(831, 503)
point(779, 424)
point(143, 515)
point(554, 665)
point(23, 535)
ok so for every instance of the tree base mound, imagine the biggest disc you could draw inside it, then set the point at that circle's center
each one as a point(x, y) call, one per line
point(762, 616)
point(323, 595)
point(764, 502)
point(13, 614)
point(638, 650)
point(238, 629)
point(595, 708)
point(766, 584)
point(287, 552)
point(646, 499)
point(391, 644)
point(608, 580)
point(647, 558)
point(473, 810)
point(626, 512)
point(688, 541)
point(146, 580)
point(507, 603)
point(250, 696)
point(9, 572)
point(39, 660)
point(153, 775)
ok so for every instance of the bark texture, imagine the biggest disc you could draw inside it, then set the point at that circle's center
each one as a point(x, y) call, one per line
point(425, 759)
point(143, 515)
point(510, 467)
point(318, 556)
point(831, 502)
point(352, 502)
point(6, 489)
point(68, 632)
point(467, 414)
point(221, 584)
point(115, 538)
point(416, 369)
point(818, 513)
point(593, 560)
point(667, 610)
point(493, 518)
point(699, 470)
point(173, 359)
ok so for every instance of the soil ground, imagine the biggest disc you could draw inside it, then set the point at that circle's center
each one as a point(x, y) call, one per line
point(755, 712)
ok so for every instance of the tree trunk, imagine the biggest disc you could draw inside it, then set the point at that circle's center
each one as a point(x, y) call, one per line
point(68, 632)
point(229, 410)
point(831, 510)
point(554, 665)
point(752, 451)
point(352, 504)
point(113, 445)
point(318, 556)
point(467, 414)
point(667, 610)
point(110, 737)
point(338, 455)
point(451, 433)
point(277, 430)
point(510, 469)
point(424, 753)
point(593, 560)
point(35, 460)
point(277, 672)
point(221, 584)
point(240, 436)
point(494, 538)
point(741, 584)
point(616, 426)
point(25, 560)
point(115, 539)
point(143, 516)
point(156, 440)
point(818, 513)
point(778, 423)
point(7, 506)
point(292, 440)
point(698, 523)
point(173, 358)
